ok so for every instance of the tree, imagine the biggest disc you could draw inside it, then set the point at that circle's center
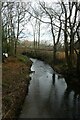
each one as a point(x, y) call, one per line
point(38, 14)
point(65, 34)
point(71, 26)
point(13, 16)
point(7, 27)
point(49, 11)
point(78, 41)
point(34, 27)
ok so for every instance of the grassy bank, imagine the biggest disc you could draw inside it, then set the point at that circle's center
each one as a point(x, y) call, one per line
point(47, 56)
point(60, 66)
point(15, 80)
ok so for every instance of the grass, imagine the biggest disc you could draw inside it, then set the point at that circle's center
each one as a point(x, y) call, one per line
point(47, 56)
point(23, 58)
point(60, 67)
point(15, 79)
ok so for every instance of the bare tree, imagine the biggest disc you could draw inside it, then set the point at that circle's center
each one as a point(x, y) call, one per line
point(71, 26)
point(13, 16)
point(65, 33)
point(78, 41)
point(49, 11)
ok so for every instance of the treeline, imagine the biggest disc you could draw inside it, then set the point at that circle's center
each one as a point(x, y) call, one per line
point(62, 19)
point(13, 15)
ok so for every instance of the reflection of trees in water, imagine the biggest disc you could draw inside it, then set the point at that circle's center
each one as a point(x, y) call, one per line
point(53, 78)
point(60, 76)
point(76, 106)
point(50, 103)
point(71, 109)
point(65, 102)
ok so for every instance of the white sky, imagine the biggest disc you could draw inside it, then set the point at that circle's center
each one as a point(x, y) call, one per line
point(45, 29)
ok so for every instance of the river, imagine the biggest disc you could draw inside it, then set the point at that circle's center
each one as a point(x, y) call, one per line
point(49, 96)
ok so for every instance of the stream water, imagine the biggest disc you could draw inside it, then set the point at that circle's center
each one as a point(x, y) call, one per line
point(49, 96)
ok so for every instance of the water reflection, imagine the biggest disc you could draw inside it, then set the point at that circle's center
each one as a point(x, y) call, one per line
point(76, 106)
point(70, 104)
point(49, 96)
point(60, 76)
point(53, 78)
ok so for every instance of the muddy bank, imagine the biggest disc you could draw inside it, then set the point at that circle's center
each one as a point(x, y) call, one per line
point(15, 80)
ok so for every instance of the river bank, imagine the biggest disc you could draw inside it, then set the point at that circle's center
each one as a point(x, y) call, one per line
point(49, 95)
point(15, 80)
point(60, 67)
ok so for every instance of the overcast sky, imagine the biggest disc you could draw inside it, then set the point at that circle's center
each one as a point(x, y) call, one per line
point(45, 28)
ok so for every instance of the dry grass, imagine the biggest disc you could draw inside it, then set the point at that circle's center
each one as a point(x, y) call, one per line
point(60, 55)
point(15, 76)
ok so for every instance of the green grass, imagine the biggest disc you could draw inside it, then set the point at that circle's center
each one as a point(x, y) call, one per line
point(23, 58)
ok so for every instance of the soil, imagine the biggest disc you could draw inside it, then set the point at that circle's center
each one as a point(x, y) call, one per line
point(15, 81)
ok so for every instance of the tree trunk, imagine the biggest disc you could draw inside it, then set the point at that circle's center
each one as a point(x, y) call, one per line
point(17, 35)
point(78, 63)
point(39, 35)
point(65, 36)
point(54, 54)
point(66, 44)
point(54, 45)
point(34, 39)
point(71, 50)
point(78, 54)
